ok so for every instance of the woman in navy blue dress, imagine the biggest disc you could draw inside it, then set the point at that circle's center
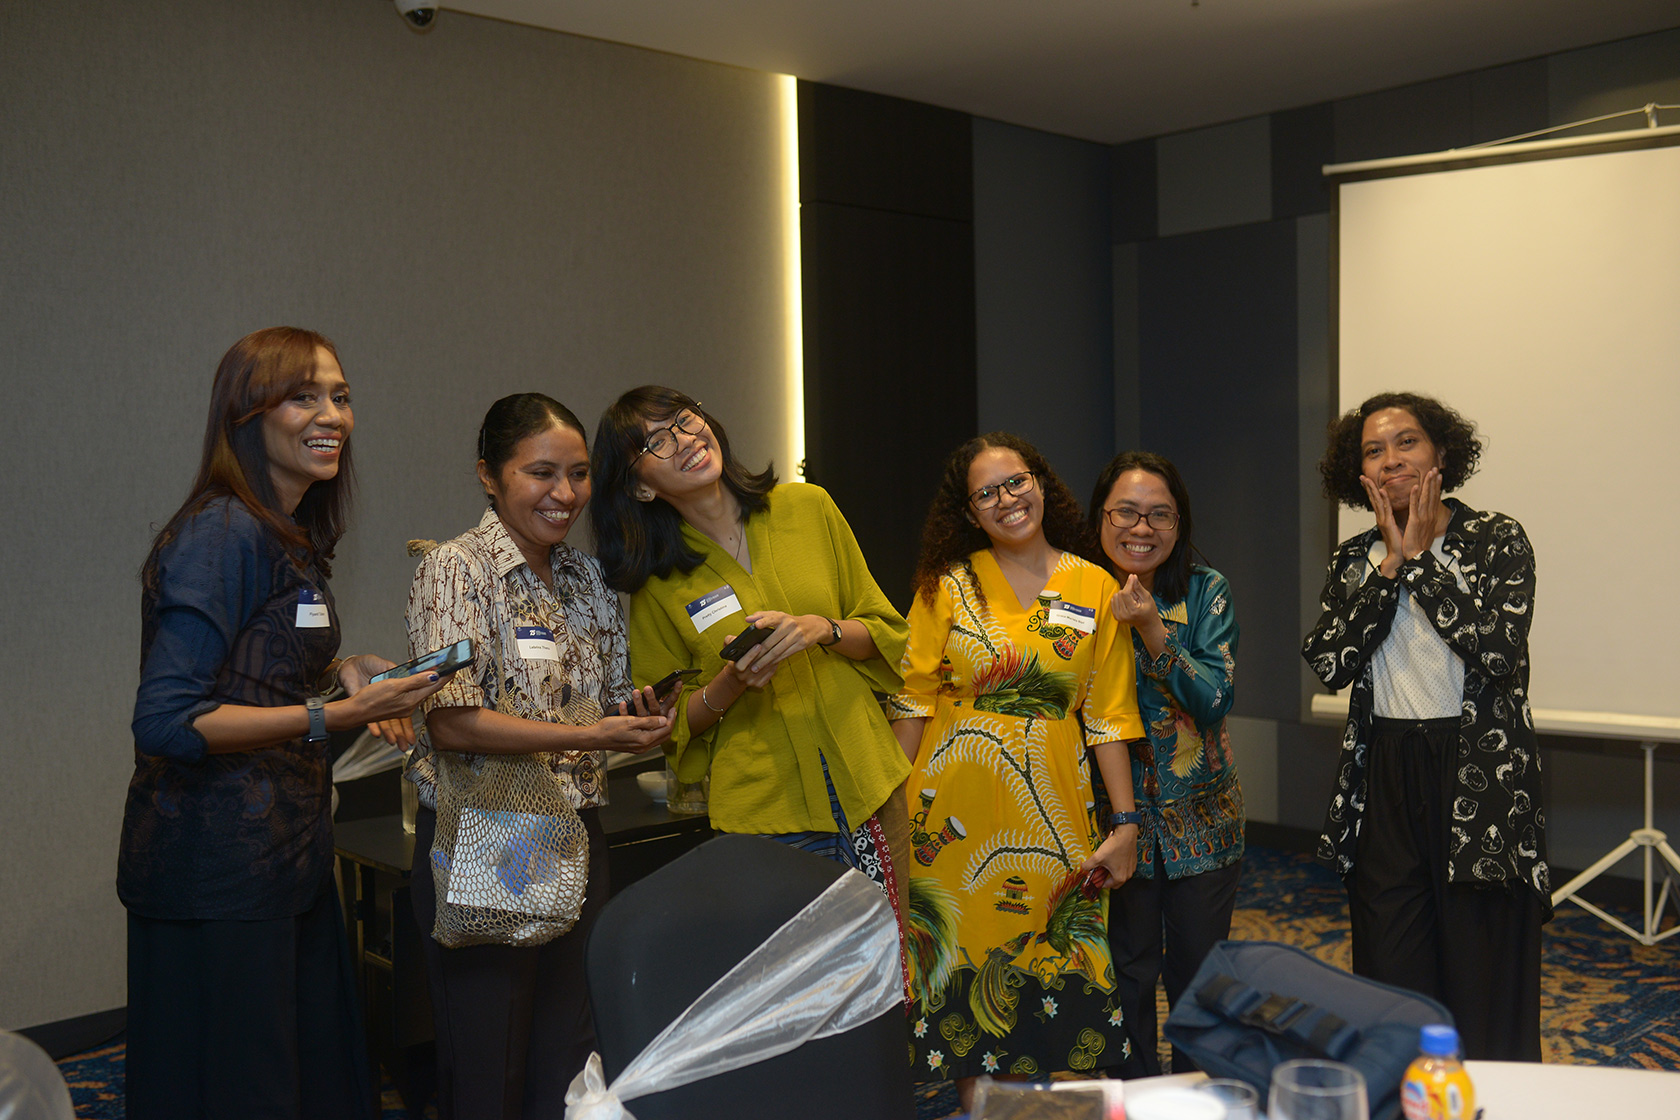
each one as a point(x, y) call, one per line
point(241, 1000)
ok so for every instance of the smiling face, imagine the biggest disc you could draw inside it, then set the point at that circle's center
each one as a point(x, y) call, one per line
point(695, 461)
point(305, 435)
point(1140, 549)
point(1395, 453)
point(542, 489)
point(1016, 518)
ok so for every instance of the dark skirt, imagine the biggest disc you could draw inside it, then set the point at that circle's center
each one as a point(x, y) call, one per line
point(257, 1020)
point(513, 1025)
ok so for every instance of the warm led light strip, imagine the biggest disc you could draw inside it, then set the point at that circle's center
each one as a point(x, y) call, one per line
point(792, 292)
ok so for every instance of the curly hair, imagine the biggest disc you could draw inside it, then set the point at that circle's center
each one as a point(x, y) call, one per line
point(634, 540)
point(1453, 436)
point(948, 537)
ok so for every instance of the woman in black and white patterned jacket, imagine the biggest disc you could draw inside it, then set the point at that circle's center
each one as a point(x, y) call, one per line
point(1435, 823)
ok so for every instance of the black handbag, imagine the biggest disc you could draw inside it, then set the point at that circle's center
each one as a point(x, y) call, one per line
point(1254, 1004)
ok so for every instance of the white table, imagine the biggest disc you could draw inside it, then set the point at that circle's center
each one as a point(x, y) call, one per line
point(1532, 1091)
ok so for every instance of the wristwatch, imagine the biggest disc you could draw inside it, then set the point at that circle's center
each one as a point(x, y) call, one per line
point(1130, 816)
point(835, 628)
point(317, 720)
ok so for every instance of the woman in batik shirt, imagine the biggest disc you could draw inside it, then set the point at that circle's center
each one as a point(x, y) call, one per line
point(513, 1024)
point(1190, 841)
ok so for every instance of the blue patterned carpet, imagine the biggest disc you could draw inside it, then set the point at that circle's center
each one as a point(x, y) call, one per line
point(1605, 999)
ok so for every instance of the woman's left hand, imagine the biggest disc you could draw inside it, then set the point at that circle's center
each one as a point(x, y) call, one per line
point(1117, 855)
point(790, 634)
point(354, 674)
point(1424, 515)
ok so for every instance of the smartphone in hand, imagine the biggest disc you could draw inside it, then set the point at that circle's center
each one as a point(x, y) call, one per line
point(744, 641)
point(668, 685)
point(440, 661)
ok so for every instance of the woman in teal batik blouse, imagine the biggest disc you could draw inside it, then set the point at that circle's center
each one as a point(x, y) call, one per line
point(1190, 840)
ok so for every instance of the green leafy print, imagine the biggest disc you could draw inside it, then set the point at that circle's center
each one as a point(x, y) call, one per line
point(1015, 686)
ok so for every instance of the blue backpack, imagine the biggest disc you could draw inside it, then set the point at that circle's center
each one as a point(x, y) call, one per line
point(1254, 1004)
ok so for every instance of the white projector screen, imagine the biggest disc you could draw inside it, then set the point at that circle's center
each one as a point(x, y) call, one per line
point(1542, 300)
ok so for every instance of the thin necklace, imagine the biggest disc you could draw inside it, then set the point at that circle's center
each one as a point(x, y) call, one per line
point(740, 539)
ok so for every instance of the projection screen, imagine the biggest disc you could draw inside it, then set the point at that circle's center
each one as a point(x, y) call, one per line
point(1539, 293)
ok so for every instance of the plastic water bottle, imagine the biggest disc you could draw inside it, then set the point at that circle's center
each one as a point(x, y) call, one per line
point(1436, 1086)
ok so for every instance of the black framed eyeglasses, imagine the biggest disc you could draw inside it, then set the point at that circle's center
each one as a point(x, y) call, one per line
point(662, 442)
point(1124, 517)
point(987, 496)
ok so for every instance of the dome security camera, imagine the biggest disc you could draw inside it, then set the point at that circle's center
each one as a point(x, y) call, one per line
point(418, 13)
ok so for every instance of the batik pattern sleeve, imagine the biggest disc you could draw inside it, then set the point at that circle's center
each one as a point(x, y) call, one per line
point(1199, 665)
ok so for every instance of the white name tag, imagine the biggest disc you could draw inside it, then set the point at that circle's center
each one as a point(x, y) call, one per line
point(1082, 619)
point(536, 643)
point(713, 607)
point(312, 609)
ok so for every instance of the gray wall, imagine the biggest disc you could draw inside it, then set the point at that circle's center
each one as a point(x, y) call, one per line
point(1044, 329)
point(484, 209)
point(1237, 212)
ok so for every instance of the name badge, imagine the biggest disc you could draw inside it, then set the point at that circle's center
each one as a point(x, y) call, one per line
point(1082, 619)
point(713, 607)
point(312, 609)
point(536, 643)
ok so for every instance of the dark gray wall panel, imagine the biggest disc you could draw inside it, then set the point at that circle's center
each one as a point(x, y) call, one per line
point(1043, 307)
point(485, 209)
point(884, 153)
point(1303, 141)
point(889, 370)
point(1615, 76)
point(1218, 397)
point(1133, 169)
point(887, 191)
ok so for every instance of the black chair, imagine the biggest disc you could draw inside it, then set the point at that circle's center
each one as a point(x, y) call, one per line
point(666, 939)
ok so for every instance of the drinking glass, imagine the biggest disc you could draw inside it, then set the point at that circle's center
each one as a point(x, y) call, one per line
point(1315, 1090)
point(1240, 1099)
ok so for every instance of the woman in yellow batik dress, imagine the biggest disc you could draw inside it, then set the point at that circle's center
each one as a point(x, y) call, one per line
point(1014, 667)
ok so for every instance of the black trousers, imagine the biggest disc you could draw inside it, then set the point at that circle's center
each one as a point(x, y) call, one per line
point(257, 1020)
point(513, 1025)
point(1476, 949)
point(1162, 928)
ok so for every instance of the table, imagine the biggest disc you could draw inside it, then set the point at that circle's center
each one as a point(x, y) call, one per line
point(375, 857)
point(1533, 1091)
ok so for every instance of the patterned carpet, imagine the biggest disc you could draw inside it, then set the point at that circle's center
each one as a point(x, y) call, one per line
point(1605, 1000)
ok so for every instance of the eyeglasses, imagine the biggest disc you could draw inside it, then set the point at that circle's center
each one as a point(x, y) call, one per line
point(1123, 517)
point(987, 496)
point(662, 442)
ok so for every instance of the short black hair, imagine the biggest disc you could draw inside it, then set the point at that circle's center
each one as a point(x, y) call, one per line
point(637, 540)
point(1172, 578)
point(517, 417)
point(1453, 436)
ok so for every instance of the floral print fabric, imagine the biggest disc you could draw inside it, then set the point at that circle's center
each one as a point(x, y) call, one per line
point(1009, 962)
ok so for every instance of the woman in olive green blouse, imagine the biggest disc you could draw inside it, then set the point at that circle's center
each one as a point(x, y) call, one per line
point(791, 732)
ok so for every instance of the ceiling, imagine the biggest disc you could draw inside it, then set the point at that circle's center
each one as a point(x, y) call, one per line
point(1105, 70)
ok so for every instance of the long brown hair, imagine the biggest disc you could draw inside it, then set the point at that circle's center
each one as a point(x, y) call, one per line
point(257, 374)
point(948, 536)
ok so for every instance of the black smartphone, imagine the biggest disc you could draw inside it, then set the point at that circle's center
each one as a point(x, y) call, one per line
point(439, 661)
point(665, 688)
point(744, 641)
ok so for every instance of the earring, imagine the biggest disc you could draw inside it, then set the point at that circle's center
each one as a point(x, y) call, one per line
point(642, 493)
